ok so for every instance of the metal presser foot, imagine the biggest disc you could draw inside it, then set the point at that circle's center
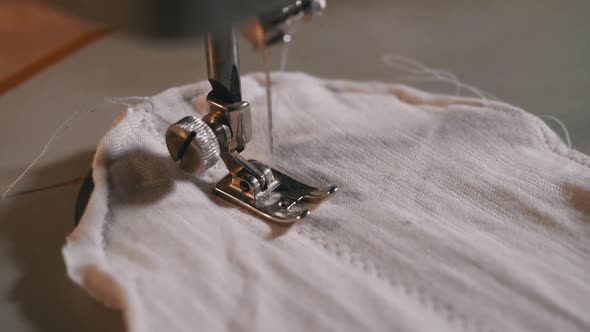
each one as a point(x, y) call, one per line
point(197, 144)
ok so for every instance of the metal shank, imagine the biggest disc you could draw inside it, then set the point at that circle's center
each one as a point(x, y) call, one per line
point(222, 65)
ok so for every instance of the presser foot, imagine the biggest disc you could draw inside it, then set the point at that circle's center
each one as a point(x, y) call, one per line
point(196, 145)
point(285, 200)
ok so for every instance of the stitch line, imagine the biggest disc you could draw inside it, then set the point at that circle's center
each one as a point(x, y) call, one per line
point(438, 307)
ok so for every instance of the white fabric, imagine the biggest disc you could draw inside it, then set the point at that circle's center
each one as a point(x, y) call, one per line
point(453, 214)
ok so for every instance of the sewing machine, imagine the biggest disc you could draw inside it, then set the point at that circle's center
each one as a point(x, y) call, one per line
point(197, 144)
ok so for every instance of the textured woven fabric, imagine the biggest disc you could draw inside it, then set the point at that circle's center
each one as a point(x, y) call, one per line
point(453, 214)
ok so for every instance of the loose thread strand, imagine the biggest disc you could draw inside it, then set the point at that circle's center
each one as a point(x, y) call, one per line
point(55, 134)
point(284, 57)
point(47, 187)
point(266, 60)
point(421, 72)
point(563, 127)
point(63, 126)
point(424, 73)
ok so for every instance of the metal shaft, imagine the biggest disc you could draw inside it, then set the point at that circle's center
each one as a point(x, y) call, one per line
point(223, 65)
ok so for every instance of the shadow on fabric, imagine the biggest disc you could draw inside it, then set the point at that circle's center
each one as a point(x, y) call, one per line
point(580, 199)
point(33, 230)
point(138, 177)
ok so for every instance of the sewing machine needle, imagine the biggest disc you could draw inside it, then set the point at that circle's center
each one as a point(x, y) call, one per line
point(266, 61)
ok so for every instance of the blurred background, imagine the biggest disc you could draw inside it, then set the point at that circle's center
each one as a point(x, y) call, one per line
point(530, 53)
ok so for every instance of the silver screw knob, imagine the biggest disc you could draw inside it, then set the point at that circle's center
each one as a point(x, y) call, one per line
point(192, 144)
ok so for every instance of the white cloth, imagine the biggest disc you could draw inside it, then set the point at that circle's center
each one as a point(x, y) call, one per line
point(452, 214)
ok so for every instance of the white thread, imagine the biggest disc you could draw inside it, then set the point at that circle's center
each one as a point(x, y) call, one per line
point(284, 57)
point(414, 67)
point(51, 186)
point(133, 99)
point(43, 151)
point(266, 61)
point(424, 73)
point(64, 125)
point(563, 127)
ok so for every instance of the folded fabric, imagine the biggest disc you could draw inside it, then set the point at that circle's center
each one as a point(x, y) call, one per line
point(453, 214)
